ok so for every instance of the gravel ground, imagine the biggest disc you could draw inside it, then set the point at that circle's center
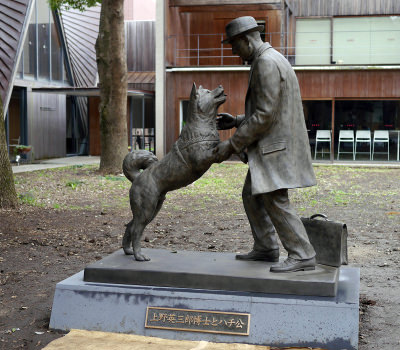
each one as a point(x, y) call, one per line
point(72, 216)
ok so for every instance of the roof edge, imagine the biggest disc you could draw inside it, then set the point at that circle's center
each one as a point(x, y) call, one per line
point(21, 41)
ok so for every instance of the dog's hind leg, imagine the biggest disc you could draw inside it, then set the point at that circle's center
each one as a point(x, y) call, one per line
point(138, 225)
point(127, 239)
point(159, 205)
point(133, 234)
point(137, 231)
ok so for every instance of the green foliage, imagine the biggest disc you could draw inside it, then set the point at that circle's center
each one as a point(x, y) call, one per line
point(80, 5)
point(27, 198)
point(114, 178)
point(74, 184)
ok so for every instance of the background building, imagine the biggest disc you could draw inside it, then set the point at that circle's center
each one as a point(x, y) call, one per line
point(33, 54)
point(48, 77)
point(345, 53)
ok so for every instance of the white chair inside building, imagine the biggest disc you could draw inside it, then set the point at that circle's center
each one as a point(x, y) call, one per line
point(346, 136)
point(381, 136)
point(325, 137)
point(363, 136)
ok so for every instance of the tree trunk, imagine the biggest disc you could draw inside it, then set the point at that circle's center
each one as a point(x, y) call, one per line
point(8, 195)
point(111, 64)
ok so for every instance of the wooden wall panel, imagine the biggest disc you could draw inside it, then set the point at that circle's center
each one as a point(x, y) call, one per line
point(177, 23)
point(349, 84)
point(14, 110)
point(208, 21)
point(94, 126)
point(313, 84)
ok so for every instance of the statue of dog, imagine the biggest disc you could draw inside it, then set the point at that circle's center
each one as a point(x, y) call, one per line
point(190, 157)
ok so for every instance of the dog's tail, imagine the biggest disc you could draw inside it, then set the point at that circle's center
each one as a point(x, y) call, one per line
point(135, 161)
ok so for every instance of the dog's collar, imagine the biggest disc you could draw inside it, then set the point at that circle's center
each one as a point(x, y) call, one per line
point(187, 143)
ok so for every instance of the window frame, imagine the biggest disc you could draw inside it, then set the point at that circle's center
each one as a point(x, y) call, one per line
point(332, 38)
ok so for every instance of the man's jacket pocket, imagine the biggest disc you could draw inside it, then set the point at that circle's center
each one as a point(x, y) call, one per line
point(274, 147)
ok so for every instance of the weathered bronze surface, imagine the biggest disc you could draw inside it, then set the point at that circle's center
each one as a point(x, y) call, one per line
point(210, 271)
point(191, 156)
point(271, 136)
point(329, 239)
point(198, 320)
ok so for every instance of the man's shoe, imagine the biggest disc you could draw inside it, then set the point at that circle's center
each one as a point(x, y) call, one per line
point(268, 255)
point(291, 265)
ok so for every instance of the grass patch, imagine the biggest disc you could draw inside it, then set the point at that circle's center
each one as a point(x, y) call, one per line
point(337, 186)
point(115, 178)
point(74, 184)
point(27, 198)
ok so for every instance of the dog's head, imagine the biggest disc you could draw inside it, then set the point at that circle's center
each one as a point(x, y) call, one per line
point(205, 102)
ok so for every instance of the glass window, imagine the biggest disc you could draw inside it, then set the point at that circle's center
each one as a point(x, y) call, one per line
point(351, 40)
point(65, 74)
point(137, 123)
point(149, 108)
point(318, 116)
point(56, 53)
point(43, 28)
point(355, 40)
point(149, 131)
point(313, 41)
point(385, 39)
point(29, 54)
point(43, 55)
point(352, 116)
point(142, 123)
point(262, 34)
point(368, 116)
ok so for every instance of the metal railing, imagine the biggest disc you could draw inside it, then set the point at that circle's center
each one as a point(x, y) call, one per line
point(207, 49)
point(194, 52)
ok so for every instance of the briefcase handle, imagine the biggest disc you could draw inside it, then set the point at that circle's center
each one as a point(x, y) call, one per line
point(319, 215)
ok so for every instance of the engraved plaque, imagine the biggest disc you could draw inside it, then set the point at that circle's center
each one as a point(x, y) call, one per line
point(198, 320)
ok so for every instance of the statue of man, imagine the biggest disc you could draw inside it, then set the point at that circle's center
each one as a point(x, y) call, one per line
point(272, 137)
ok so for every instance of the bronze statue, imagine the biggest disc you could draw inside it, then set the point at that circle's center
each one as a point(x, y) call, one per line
point(272, 137)
point(190, 157)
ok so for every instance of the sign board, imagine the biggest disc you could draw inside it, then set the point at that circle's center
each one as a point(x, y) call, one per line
point(198, 320)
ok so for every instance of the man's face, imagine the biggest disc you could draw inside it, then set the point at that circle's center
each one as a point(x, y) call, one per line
point(241, 47)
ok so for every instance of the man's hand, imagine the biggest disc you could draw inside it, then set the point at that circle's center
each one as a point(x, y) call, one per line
point(223, 151)
point(225, 121)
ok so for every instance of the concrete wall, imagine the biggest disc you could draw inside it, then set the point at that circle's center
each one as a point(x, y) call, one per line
point(46, 124)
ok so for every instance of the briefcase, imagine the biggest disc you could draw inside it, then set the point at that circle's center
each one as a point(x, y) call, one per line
point(329, 239)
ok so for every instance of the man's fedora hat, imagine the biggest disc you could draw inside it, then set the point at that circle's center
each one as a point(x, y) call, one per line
point(239, 26)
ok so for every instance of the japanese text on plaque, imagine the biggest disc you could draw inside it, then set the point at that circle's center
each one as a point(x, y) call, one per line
point(198, 320)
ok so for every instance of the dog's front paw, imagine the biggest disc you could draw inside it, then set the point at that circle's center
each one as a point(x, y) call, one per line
point(141, 257)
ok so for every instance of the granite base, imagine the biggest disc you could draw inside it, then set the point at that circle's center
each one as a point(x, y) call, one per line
point(276, 319)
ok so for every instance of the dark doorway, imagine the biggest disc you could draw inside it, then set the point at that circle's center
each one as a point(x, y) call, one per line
point(17, 132)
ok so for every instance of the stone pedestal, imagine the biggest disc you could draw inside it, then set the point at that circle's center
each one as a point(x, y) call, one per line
point(277, 318)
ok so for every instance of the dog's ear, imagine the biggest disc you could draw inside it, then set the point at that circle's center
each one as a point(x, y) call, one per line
point(193, 92)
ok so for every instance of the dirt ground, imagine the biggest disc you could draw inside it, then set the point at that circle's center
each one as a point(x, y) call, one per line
point(70, 217)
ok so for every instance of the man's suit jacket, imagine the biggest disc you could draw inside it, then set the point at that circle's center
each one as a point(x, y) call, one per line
point(273, 130)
